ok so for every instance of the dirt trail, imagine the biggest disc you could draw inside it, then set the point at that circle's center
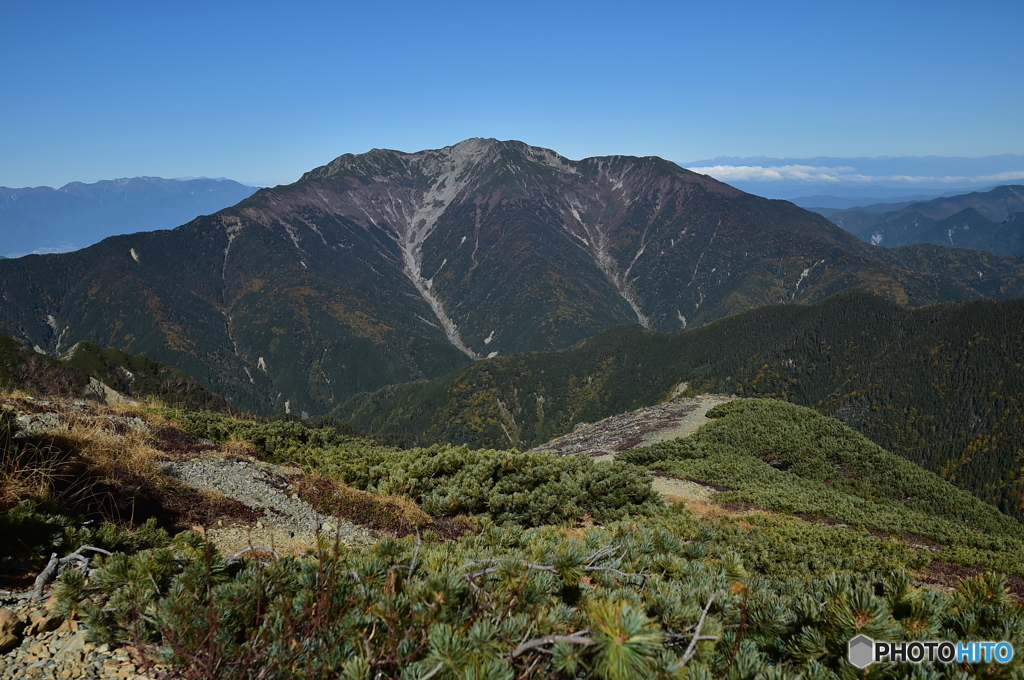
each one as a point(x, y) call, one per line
point(645, 426)
point(606, 439)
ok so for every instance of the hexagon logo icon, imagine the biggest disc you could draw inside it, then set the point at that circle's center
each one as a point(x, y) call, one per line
point(861, 651)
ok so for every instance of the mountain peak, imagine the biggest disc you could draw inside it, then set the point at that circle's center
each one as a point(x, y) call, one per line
point(473, 145)
point(475, 151)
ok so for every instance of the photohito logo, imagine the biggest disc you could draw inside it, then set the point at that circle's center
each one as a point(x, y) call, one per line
point(862, 651)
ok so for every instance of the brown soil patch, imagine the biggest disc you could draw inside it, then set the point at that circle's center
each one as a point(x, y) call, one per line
point(709, 485)
point(946, 574)
point(183, 507)
point(1016, 584)
point(918, 542)
point(827, 521)
point(176, 443)
point(705, 510)
point(742, 507)
point(949, 575)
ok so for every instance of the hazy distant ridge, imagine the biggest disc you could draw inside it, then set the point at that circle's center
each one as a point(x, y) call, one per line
point(47, 220)
point(990, 220)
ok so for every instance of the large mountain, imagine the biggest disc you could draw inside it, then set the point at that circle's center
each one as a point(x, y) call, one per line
point(43, 219)
point(990, 220)
point(386, 267)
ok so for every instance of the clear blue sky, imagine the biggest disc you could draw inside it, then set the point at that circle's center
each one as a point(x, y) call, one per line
point(261, 92)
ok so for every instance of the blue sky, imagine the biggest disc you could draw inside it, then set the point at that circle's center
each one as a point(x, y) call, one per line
point(261, 92)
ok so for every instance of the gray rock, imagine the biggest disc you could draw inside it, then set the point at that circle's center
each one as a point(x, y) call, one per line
point(250, 483)
point(12, 628)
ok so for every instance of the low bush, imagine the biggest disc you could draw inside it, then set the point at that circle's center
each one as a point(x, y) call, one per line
point(662, 598)
point(529, 489)
point(793, 460)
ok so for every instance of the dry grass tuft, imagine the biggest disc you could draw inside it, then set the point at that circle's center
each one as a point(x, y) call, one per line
point(149, 409)
point(174, 442)
point(103, 462)
point(391, 514)
point(27, 469)
point(709, 510)
point(110, 449)
point(151, 401)
point(89, 460)
point(334, 498)
point(14, 394)
point(240, 448)
point(28, 472)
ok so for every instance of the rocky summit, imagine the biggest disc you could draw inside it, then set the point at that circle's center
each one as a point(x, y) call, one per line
point(386, 267)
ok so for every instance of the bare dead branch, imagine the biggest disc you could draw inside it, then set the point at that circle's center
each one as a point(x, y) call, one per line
point(94, 549)
point(697, 637)
point(435, 671)
point(488, 560)
point(588, 565)
point(411, 567)
point(44, 577)
point(55, 564)
point(577, 638)
point(603, 552)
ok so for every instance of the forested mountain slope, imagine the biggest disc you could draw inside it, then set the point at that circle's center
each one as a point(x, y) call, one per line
point(942, 386)
point(83, 368)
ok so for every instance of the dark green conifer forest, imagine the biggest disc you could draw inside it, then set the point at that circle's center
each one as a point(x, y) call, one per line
point(942, 386)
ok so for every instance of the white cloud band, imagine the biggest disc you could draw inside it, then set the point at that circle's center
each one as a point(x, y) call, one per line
point(812, 173)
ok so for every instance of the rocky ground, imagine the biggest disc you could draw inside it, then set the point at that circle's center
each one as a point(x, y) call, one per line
point(605, 439)
point(36, 643)
point(289, 525)
point(52, 647)
point(645, 426)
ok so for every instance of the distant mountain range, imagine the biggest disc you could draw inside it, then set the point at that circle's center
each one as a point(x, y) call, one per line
point(827, 205)
point(47, 220)
point(991, 220)
point(387, 267)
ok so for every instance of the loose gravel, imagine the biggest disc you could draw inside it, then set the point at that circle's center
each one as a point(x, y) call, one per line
point(645, 426)
point(289, 524)
point(664, 422)
point(61, 650)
